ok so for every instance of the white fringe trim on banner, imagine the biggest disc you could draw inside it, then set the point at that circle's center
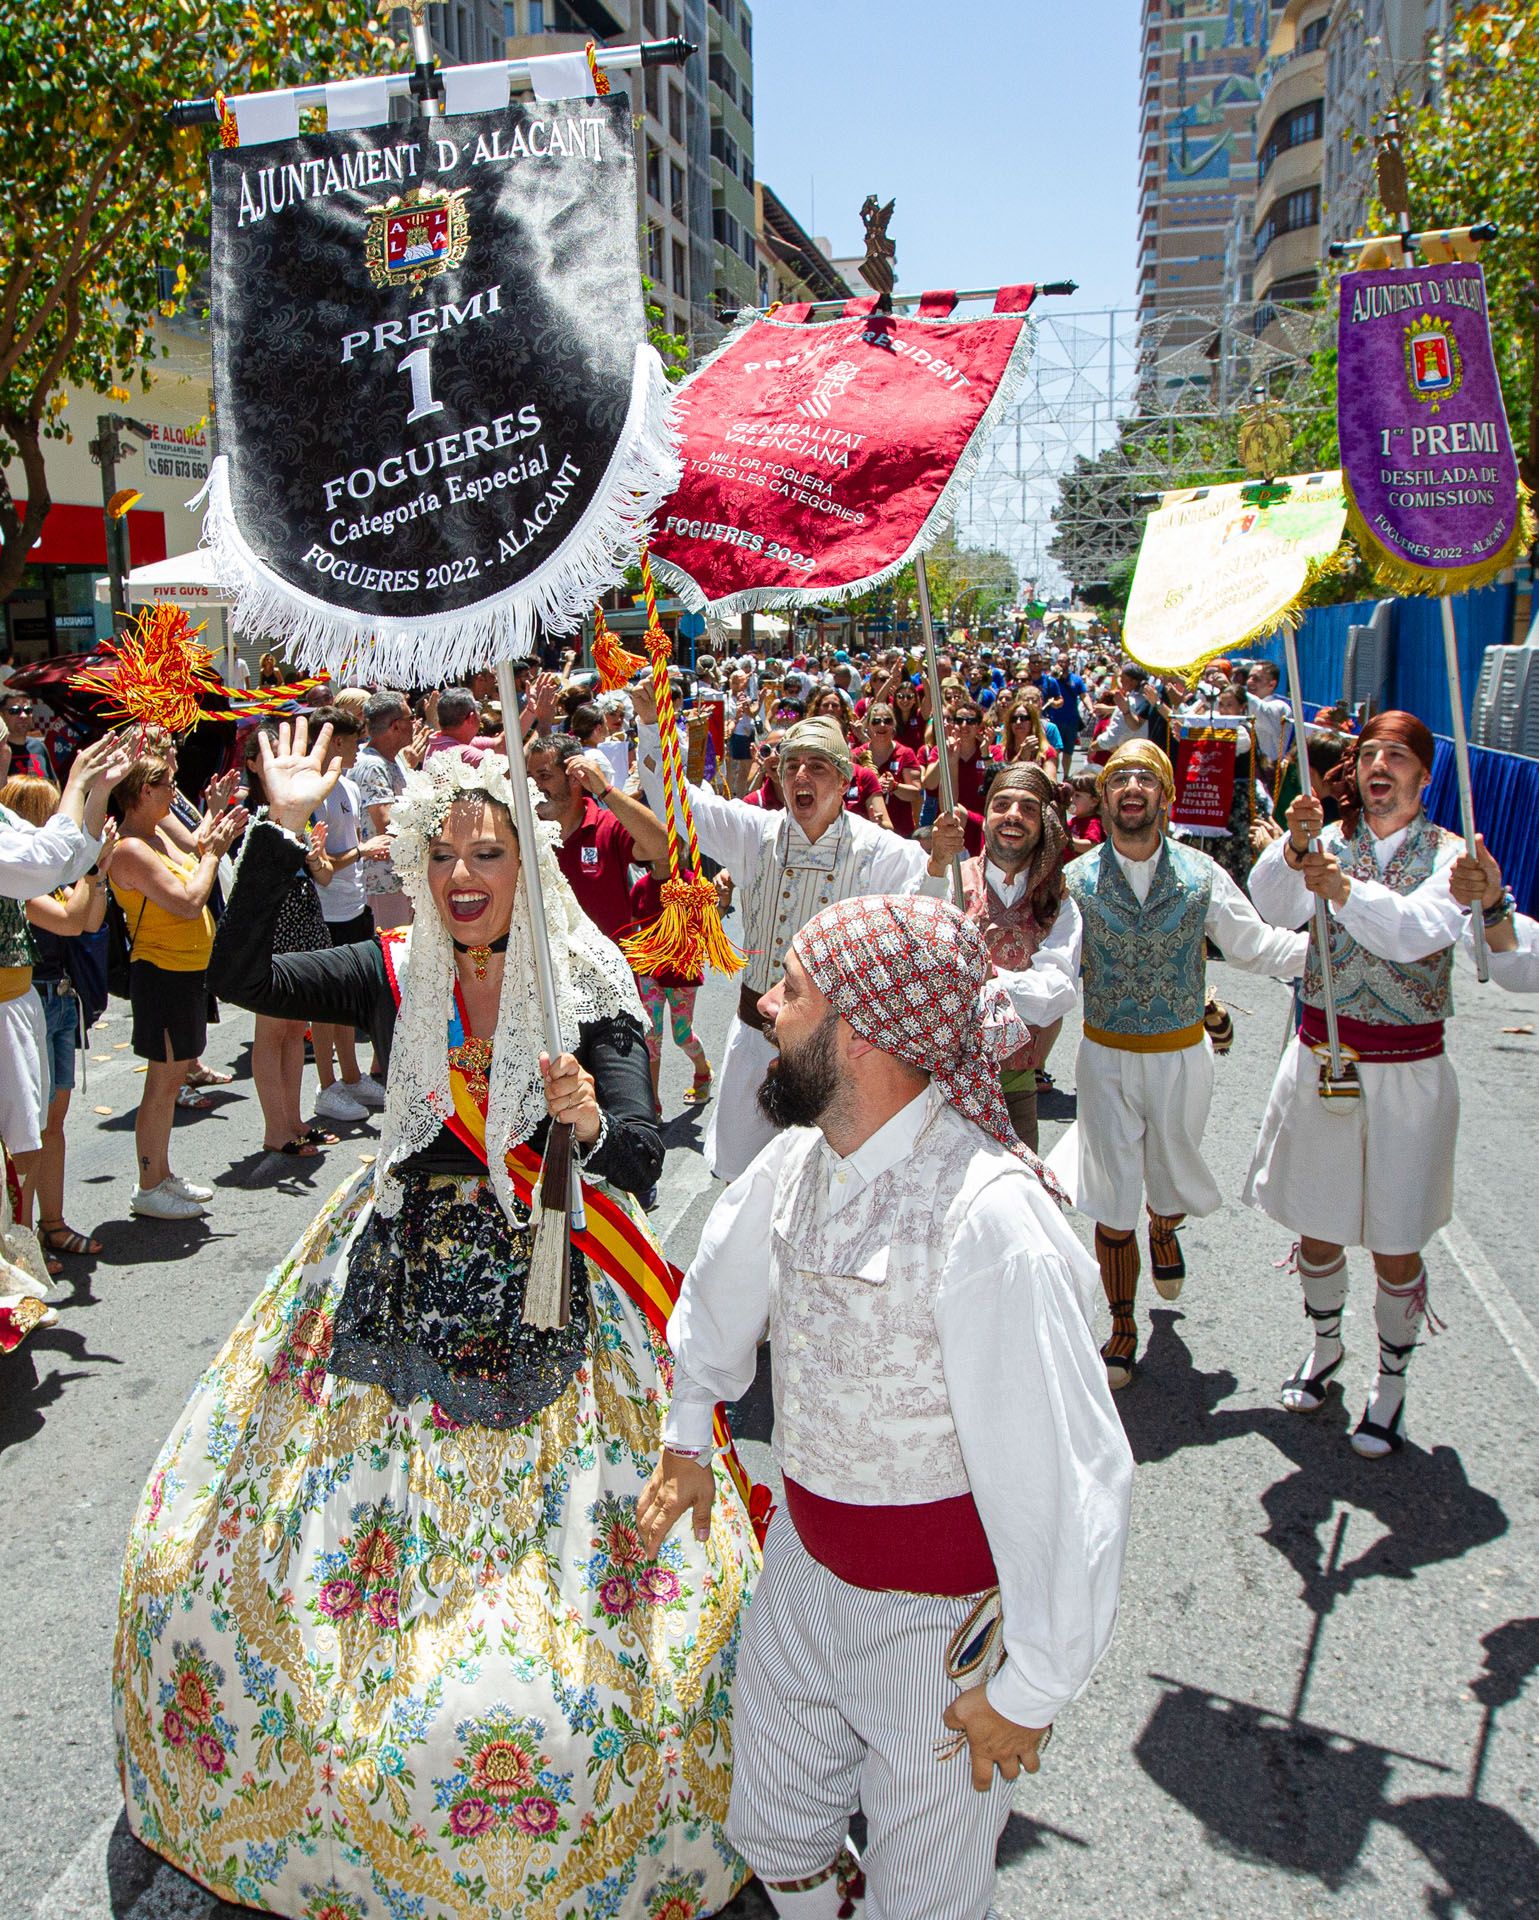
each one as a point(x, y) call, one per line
point(427, 650)
point(765, 599)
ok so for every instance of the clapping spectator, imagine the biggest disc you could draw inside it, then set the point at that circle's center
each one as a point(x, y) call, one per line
point(164, 893)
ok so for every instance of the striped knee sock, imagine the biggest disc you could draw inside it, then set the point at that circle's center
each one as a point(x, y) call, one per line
point(1118, 1257)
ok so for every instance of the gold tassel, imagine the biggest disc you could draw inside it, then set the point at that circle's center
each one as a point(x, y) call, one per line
point(1398, 576)
point(616, 667)
point(686, 936)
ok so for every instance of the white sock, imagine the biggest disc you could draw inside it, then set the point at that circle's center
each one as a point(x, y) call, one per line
point(1325, 1294)
point(1396, 1311)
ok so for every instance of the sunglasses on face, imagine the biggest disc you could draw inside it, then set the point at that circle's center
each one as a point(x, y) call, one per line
point(18, 713)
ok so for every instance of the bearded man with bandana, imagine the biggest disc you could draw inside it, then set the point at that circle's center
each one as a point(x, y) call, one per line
point(788, 863)
point(943, 1575)
point(1377, 1171)
point(1144, 1076)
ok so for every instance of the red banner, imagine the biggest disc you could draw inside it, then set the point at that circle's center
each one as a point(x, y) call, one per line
point(1204, 781)
point(820, 458)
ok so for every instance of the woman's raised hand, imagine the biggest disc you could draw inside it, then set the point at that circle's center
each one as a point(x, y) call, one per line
point(296, 777)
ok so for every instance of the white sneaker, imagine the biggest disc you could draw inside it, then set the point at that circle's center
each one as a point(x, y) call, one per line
point(366, 1090)
point(188, 1189)
point(164, 1203)
point(336, 1103)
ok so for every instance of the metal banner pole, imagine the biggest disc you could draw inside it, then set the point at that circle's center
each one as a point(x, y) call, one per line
point(937, 711)
point(1461, 747)
point(1338, 1079)
point(539, 932)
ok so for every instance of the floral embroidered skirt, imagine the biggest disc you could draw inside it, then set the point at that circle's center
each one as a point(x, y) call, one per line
point(377, 1664)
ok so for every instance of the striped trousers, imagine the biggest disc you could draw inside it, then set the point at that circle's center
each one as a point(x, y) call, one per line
point(838, 1703)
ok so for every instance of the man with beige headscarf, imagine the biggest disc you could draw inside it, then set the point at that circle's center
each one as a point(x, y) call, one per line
point(1144, 1076)
point(787, 865)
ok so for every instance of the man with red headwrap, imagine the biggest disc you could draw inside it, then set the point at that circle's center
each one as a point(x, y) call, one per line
point(943, 1575)
point(1376, 1171)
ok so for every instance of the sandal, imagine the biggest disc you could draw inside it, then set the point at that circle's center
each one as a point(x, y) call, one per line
point(190, 1097)
point(57, 1236)
point(316, 1137)
point(1045, 1081)
point(55, 1267)
point(201, 1076)
point(299, 1148)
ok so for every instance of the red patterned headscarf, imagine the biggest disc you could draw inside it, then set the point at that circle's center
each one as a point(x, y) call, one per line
point(913, 977)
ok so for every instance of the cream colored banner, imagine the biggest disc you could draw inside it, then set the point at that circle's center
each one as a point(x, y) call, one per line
point(1217, 570)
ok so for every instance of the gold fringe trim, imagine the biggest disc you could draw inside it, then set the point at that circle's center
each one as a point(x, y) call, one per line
point(1290, 616)
point(1400, 577)
point(688, 929)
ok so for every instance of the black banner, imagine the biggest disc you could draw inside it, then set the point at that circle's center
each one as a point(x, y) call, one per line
point(436, 407)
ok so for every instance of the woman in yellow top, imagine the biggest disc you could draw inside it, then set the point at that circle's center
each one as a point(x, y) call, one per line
point(164, 892)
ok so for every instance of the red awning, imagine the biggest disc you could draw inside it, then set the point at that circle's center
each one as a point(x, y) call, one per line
point(75, 536)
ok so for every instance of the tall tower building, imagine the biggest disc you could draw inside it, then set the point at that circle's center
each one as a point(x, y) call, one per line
point(1197, 160)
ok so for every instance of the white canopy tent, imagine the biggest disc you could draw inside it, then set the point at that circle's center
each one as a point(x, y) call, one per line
point(190, 581)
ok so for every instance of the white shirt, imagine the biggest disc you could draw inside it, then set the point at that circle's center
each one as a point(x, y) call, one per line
point(1517, 971)
point(344, 898)
point(1395, 926)
point(1271, 716)
point(35, 860)
point(1232, 924)
point(1047, 1461)
point(734, 833)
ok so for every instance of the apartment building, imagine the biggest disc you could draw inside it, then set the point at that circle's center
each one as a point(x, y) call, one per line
point(1375, 50)
point(792, 265)
point(734, 206)
point(1197, 155)
point(1290, 157)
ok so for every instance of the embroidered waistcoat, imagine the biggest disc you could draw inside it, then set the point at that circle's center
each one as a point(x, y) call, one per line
point(1144, 967)
point(1010, 933)
point(783, 897)
point(862, 1413)
point(1389, 993)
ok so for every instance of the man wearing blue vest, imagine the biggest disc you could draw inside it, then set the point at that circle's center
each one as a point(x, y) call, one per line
point(1144, 1075)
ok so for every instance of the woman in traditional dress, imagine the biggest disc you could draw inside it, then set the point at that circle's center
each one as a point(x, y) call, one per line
point(389, 1644)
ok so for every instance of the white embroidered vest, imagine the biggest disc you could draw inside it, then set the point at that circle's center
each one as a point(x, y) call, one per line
point(862, 1413)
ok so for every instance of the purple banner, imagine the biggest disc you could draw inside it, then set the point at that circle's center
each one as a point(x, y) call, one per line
point(1429, 466)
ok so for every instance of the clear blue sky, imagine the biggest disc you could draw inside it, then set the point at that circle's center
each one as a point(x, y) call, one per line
point(1006, 130)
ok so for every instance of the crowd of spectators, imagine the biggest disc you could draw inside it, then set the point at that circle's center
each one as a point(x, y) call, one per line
point(146, 912)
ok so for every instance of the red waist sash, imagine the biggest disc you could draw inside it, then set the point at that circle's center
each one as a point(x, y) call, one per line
point(1370, 1040)
point(935, 1546)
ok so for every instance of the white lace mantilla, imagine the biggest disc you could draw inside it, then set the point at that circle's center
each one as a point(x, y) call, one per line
point(592, 982)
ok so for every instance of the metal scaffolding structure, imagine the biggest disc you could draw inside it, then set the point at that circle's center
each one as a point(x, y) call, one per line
point(1091, 372)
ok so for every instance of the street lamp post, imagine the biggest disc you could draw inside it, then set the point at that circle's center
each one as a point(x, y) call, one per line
point(107, 450)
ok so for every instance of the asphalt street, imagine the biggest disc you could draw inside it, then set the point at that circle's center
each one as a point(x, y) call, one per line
point(1321, 1698)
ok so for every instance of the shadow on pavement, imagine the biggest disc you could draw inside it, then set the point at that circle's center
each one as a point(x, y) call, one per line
point(1276, 1788)
point(1285, 1793)
point(1424, 1500)
point(25, 1396)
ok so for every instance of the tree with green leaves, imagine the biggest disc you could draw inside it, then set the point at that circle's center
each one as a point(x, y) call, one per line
point(1471, 154)
point(104, 205)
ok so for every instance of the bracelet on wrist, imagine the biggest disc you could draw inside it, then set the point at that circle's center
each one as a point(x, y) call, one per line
point(1507, 905)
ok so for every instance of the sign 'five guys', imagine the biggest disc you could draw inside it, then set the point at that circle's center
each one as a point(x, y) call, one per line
point(439, 418)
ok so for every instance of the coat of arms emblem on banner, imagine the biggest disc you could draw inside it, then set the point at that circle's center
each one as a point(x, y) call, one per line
point(413, 239)
point(1433, 369)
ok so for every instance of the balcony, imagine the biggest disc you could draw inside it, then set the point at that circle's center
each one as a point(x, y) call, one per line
point(1289, 257)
